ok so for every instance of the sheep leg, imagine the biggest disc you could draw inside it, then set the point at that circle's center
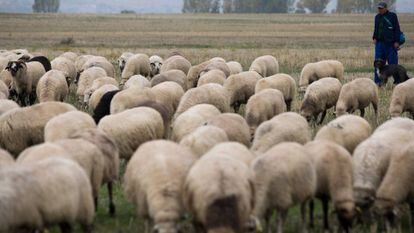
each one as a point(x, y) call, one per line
point(325, 207)
point(111, 199)
point(311, 216)
point(87, 228)
point(282, 214)
point(322, 117)
point(267, 228)
point(65, 227)
point(147, 225)
point(32, 98)
point(375, 106)
point(303, 217)
point(288, 105)
point(412, 216)
point(362, 110)
point(95, 203)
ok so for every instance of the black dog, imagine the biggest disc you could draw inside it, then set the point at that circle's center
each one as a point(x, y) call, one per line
point(398, 72)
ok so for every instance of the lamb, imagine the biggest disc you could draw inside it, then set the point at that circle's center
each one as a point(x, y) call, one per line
point(177, 76)
point(195, 71)
point(97, 83)
point(4, 90)
point(191, 119)
point(5, 159)
point(333, 166)
point(234, 125)
point(240, 87)
point(123, 59)
point(285, 127)
point(211, 93)
point(69, 55)
point(103, 107)
point(24, 127)
point(265, 66)
point(203, 139)
point(155, 63)
point(137, 80)
point(402, 99)
point(97, 95)
point(137, 64)
point(139, 125)
point(169, 94)
point(86, 79)
point(52, 86)
point(102, 62)
point(282, 82)
point(234, 67)
point(322, 69)
point(127, 99)
point(358, 94)
point(7, 105)
point(347, 131)
point(176, 62)
point(148, 183)
point(219, 193)
point(286, 165)
point(212, 76)
point(64, 125)
point(263, 106)
point(320, 96)
point(46, 200)
point(67, 66)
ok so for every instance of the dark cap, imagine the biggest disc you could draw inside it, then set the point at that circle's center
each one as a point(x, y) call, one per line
point(382, 5)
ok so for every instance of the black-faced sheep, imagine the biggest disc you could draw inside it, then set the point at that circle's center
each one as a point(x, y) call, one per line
point(52, 86)
point(322, 69)
point(265, 66)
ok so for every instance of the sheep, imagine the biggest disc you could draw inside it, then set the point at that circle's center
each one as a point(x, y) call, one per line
point(79, 62)
point(195, 71)
point(402, 99)
point(111, 158)
point(234, 67)
point(163, 110)
point(5, 159)
point(24, 127)
point(322, 69)
point(26, 75)
point(347, 131)
point(204, 138)
point(240, 87)
point(136, 80)
point(282, 82)
point(69, 55)
point(396, 123)
point(216, 64)
point(235, 150)
point(7, 105)
point(33, 199)
point(67, 66)
point(211, 93)
point(263, 106)
point(177, 76)
point(358, 94)
point(154, 180)
point(123, 59)
point(212, 76)
point(155, 63)
point(86, 79)
point(265, 66)
point(286, 165)
point(4, 90)
point(333, 166)
point(103, 108)
point(320, 96)
point(97, 83)
point(52, 86)
point(219, 193)
point(98, 61)
point(127, 99)
point(137, 64)
point(285, 127)
point(138, 125)
point(97, 95)
point(176, 62)
point(169, 94)
point(191, 119)
point(234, 125)
point(6, 77)
point(64, 125)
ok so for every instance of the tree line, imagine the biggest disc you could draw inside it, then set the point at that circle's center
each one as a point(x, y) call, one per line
point(45, 6)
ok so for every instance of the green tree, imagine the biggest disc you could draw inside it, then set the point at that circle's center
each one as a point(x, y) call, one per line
point(315, 6)
point(44, 6)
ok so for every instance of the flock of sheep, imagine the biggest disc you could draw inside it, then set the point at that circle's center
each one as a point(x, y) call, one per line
point(188, 151)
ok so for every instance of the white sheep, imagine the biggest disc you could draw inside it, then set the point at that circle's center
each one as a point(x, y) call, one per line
point(24, 127)
point(79, 62)
point(52, 86)
point(322, 69)
point(234, 125)
point(347, 131)
point(191, 119)
point(235, 67)
point(177, 76)
point(265, 66)
point(396, 123)
point(216, 64)
point(34, 199)
point(154, 180)
point(286, 165)
point(320, 96)
point(102, 62)
point(282, 82)
point(156, 64)
point(285, 127)
point(7, 105)
point(333, 166)
point(86, 79)
point(69, 55)
point(203, 139)
point(4, 90)
point(211, 93)
point(169, 94)
point(97, 83)
point(176, 62)
point(67, 67)
point(358, 94)
point(402, 99)
point(5, 158)
point(132, 127)
point(240, 87)
point(6, 77)
point(212, 76)
point(234, 150)
point(129, 98)
point(123, 59)
point(263, 106)
point(137, 64)
point(136, 80)
point(97, 95)
point(219, 193)
point(195, 71)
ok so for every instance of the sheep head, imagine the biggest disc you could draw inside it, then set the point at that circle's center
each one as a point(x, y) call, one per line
point(14, 67)
point(346, 213)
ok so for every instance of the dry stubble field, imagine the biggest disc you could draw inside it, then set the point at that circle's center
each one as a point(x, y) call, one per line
point(293, 39)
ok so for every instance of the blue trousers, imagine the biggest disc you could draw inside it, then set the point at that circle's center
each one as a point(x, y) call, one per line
point(386, 52)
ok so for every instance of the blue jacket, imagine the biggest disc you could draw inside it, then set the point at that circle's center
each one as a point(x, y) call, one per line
point(391, 31)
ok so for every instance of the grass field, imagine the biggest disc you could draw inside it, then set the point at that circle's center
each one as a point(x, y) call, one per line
point(293, 39)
